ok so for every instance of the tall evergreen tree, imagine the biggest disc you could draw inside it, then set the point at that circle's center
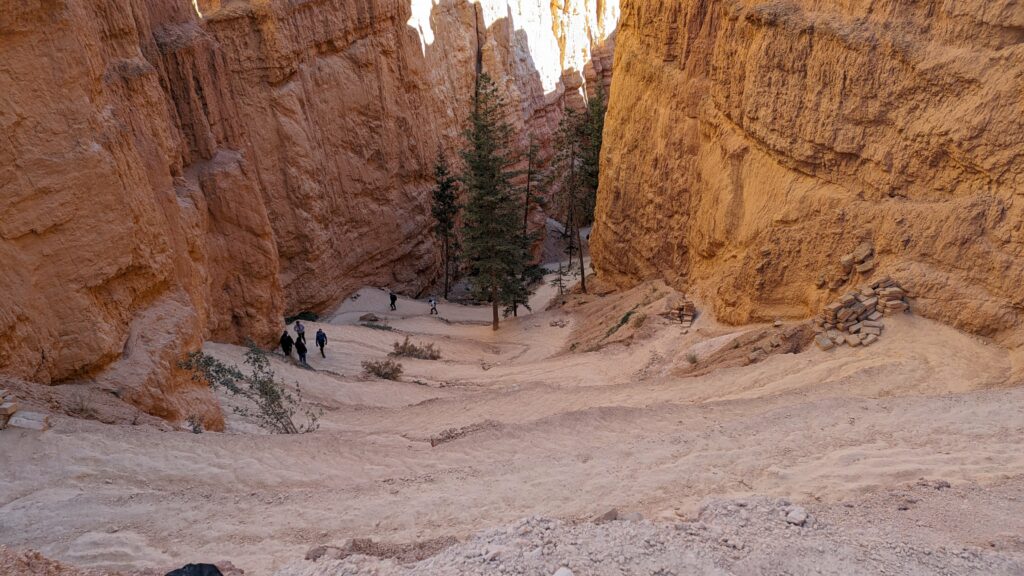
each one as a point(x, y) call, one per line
point(533, 173)
point(571, 197)
point(495, 247)
point(591, 133)
point(446, 210)
point(576, 170)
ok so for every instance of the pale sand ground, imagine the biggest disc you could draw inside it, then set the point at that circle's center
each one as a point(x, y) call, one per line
point(564, 435)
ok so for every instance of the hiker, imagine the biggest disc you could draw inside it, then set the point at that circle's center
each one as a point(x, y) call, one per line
point(321, 341)
point(394, 299)
point(300, 332)
point(300, 347)
point(286, 344)
point(433, 305)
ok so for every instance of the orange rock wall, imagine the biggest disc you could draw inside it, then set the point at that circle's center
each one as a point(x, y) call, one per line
point(751, 144)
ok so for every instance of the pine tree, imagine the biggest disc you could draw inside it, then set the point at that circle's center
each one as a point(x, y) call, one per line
point(495, 247)
point(533, 172)
point(576, 171)
point(571, 198)
point(591, 132)
point(445, 210)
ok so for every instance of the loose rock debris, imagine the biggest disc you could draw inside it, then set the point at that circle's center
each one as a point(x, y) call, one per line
point(855, 319)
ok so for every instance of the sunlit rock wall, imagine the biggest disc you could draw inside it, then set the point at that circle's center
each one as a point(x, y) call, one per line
point(750, 145)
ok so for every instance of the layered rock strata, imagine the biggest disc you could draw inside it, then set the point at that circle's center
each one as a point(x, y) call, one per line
point(750, 145)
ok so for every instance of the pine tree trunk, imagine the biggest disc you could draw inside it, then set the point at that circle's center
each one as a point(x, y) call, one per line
point(446, 260)
point(494, 307)
point(583, 271)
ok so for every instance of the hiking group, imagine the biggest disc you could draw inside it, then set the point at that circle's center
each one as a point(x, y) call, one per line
point(287, 343)
point(299, 342)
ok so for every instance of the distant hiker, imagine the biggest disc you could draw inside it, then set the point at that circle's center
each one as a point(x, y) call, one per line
point(394, 299)
point(300, 347)
point(287, 343)
point(433, 305)
point(300, 332)
point(321, 341)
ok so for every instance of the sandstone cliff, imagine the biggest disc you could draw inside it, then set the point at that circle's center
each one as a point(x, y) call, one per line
point(749, 145)
point(167, 178)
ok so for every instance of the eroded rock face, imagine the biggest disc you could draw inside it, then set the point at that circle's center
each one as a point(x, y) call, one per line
point(750, 145)
point(347, 103)
point(166, 178)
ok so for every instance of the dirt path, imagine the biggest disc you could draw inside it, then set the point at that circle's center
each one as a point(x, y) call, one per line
point(552, 433)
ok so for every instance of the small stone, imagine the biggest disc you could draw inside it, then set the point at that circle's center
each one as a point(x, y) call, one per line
point(369, 318)
point(875, 316)
point(855, 328)
point(609, 516)
point(777, 323)
point(869, 340)
point(866, 266)
point(563, 571)
point(846, 262)
point(852, 340)
point(797, 516)
point(871, 331)
point(8, 408)
point(863, 251)
point(823, 342)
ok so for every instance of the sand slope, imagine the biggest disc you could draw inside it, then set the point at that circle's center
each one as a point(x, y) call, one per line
point(551, 433)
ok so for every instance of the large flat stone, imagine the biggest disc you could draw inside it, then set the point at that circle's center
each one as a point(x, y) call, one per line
point(29, 421)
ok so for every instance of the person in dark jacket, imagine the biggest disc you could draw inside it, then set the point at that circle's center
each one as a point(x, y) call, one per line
point(300, 332)
point(321, 341)
point(300, 347)
point(287, 343)
point(394, 299)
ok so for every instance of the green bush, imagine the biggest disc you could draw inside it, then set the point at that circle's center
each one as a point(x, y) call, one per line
point(386, 369)
point(407, 349)
point(274, 406)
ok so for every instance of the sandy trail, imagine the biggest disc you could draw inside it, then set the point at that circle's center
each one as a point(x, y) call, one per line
point(559, 434)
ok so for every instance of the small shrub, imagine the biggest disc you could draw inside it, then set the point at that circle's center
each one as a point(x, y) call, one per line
point(377, 326)
point(622, 322)
point(275, 406)
point(80, 406)
point(195, 424)
point(386, 369)
point(407, 349)
point(691, 357)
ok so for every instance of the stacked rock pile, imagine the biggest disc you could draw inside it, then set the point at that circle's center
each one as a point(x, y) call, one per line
point(682, 309)
point(855, 319)
point(11, 416)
